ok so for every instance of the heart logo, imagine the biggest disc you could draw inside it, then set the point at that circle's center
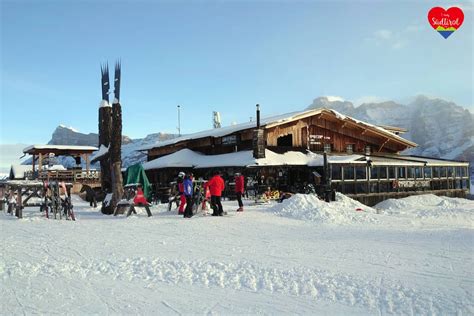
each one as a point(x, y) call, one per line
point(445, 22)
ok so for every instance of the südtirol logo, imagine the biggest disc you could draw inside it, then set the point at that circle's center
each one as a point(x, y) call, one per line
point(445, 22)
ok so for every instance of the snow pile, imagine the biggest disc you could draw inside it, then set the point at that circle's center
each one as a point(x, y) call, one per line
point(309, 207)
point(429, 206)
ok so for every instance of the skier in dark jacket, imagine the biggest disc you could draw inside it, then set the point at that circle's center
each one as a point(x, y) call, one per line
point(188, 193)
point(239, 190)
point(216, 186)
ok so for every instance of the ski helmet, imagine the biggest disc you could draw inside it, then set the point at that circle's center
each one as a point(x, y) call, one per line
point(181, 174)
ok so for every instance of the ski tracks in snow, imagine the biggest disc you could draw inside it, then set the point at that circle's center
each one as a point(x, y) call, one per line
point(378, 294)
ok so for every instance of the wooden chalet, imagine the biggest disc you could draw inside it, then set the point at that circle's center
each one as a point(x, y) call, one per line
point(364, 159)
point(77, 175)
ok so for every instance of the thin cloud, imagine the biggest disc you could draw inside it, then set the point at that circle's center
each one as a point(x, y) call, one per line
point(394, 39)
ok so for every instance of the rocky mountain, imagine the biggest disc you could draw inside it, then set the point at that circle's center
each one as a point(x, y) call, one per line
point(63, 135)
point(441, 128)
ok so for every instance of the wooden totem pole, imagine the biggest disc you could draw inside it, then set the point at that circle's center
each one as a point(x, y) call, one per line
point(110, 136)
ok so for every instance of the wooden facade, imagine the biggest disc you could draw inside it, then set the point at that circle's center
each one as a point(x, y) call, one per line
point(319, 131)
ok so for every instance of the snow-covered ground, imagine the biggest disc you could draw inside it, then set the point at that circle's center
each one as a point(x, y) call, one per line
point(411, 256)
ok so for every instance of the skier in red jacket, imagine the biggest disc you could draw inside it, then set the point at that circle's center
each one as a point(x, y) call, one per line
point(182, 197)
point(239, 190)
point(216, 186)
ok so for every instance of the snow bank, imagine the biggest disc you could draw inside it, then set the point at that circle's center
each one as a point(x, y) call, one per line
point(308, 207)
point(429, 206)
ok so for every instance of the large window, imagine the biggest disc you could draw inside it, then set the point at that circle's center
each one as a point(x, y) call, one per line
point(450, 171)
point(442, 172)
point(348, 173)
point(436, 172)
point(374, 187)
point(327, 148)
point(391, 172)
point(419, 172)
point(401, 173)
point(350, 149)
point(286, 141)
point(383, 172)
point(336, 172)
point(411, 172)
point(427, 172)
point(374, 173)
point(361, 172)
point(463, 171)
point(361, 187)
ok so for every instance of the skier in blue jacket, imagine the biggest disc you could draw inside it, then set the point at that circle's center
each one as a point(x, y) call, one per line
point(188, 193)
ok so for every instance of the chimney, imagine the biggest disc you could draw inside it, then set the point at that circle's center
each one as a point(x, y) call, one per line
point(258, 116)
point(258, 139)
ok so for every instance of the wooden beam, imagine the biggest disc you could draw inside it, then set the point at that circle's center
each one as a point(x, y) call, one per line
point(385, 142)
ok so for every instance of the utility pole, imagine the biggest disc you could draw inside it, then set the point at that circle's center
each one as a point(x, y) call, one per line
point(179, 120)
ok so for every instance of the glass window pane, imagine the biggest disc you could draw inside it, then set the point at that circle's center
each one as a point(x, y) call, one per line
point(436, 172)
point(450, 171)
point(361, 187)
point(442, 172)
point(418, 172)
point(373, 187)
point(374, 172)
point(411, 172)
point(391, 172)
point(401, 173)
point(361, 172)
point(383, 172)
point(348, 173)
point(336, 172)
point(427, 172)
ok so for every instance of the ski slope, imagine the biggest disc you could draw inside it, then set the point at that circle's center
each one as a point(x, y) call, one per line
point(410, 256)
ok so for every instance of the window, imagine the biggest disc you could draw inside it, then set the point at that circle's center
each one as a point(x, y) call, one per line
point(383, 172)
point(327, 148)
point(336, 172)
point(349, 148)
point(436, 172)
point(348, 173)
point(391, 172)
point(463, 171)
point(464, 184)
point(458, 172)
point(349, 188)
point(442, 173)
point(374, 173)
point(361, 172)
point(411, 172)
point(286, 141)
point(419, 172)
point(427, 172)
point(361, 187)
point(401, 173)
point(385, 186)
point(457, 184)
point(450, 171)
point(374, 187)
point(368, 150)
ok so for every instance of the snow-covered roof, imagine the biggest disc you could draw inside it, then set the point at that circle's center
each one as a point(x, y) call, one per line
point(103, 150)
point(59, 147)
point(18, 171)
point(271, 122)
point(186, 158)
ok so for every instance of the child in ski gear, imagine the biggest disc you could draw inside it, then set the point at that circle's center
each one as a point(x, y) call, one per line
point(239, 190)
point(140, 200)
point(216, 186)
point(182, 198)
point(188, 193)
point(207, 195)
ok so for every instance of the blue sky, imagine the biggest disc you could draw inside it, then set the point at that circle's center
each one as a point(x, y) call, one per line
point(221, 56)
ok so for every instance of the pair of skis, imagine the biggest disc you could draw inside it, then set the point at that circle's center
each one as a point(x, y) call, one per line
point(54, 202)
